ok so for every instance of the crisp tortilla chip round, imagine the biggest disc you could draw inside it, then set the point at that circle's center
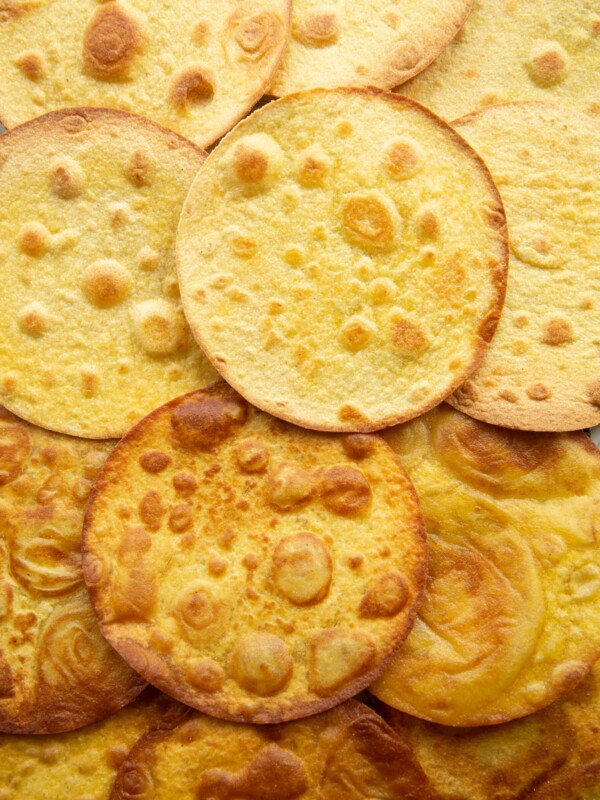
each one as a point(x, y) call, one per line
point(342, 259)
point(93, 335)
point(553, 753)
point(78, 765)
point(256, 571)
point(348, 753)
point(535, 50)
point(542, 370)
point(365, 42)
point(57, 673)
point(511, 615)
point(194, 66)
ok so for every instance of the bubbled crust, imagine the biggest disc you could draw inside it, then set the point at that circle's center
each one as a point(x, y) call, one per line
point(542, 370)
point(345, 179)
point(93, 330)
point(193, 67)
point(196, 534)
point(57, 673)
point(552, 754)
point(516, 51)
point(347, 753)
point(85, 761)
point(512, 521)
point(365, 42)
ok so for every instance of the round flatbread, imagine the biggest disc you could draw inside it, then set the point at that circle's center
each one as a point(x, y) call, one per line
point(542, 371)
point(194, 66)
point(365, 42)
point(80, 765)
point(253, 570)
point(57, 673)
point(348, 753)
point(342, 259)
point(511, 615)
point(525, 759)
point(534, 50)
point(93, 335)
